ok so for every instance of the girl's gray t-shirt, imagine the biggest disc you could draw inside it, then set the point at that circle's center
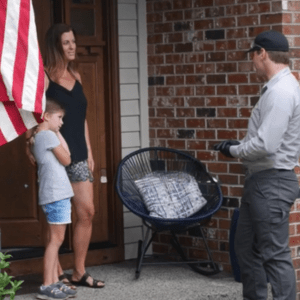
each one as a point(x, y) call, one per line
point(54, 184)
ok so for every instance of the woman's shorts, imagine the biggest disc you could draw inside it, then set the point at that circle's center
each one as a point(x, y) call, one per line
point(79, 171)
point(58, 212)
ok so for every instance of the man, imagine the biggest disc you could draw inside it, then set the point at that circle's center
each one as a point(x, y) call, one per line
point(270, 151)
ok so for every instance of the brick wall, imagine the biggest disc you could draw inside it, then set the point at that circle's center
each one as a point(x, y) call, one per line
point(202, 89)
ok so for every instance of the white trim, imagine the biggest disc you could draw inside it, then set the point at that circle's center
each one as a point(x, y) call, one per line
point(143, 72)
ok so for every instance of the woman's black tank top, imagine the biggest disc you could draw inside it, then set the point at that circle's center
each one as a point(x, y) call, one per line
point(75, 105)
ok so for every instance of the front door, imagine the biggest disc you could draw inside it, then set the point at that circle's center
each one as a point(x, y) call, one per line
point(21, 220)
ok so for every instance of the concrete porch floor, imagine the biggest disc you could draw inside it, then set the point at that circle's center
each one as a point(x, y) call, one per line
point(166, 282)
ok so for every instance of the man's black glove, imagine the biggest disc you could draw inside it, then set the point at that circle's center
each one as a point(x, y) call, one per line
point(224, 147)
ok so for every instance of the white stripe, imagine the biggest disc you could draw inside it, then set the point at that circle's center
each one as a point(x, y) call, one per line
point(28, 118)
point(10, 44)
point(32, 67)
point(6, 126)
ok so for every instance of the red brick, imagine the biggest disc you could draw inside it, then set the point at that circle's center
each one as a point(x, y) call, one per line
point(216, 101)
point(276, 6)
point(235, 191)
point(176, 144)
point(149, 7)
point(165, 112)
point(195, 79)
point(291, 29)
point(245, 112)
point(156, 122)
point(195, 101)
point(206, 155)
point(175, 123)
point(155, 59)
point(205, 68)
point(237, 78)
point(205, 90)
point(293, 5)
point(255, 79)
point(245, 67)
point(227, 112)
point(185, 112)
point(152, 133)
point(259, 8)
point(182, 4)
point(198, 254)
point(295, 217)
point(151, 49)
point(194, 58)
point(209, 46)
point(184, 69)
point(151, 112)
point(226, 90)
point(271, 18)
point(158, 248)
point(163, 27)
point(236, 168)
point(201, 3)
point(163, 48)
point(217, 56)
point(167, 101)
point(292, 230)
point(164, 91)
point(162, 5)
point(227, 135)
point(296, 18)
point(224, 2)
point(214, 12)
point(226, 45)
point(163, 70)
point(157, 143)
point(224, 224)
point(225, 22)
point(203, 24)
point(151, 91)
point(185, 91)
point(205, 134)
point(174, 80)
point(228, 179)
point(226, 67)
point(239, 123)
point(295, 241)
point(174, 58)
point(236, 33)
point(246, 1)
point(173, 37)
point(166, 133)
point(249, 89)
point(216, 123)
point(236, 9)
point(196, 145)
point(218, 168)
point(195, 123)
point(236, 55)
point(223, 235)
point(154, 18)
point(173, 16)
point(254, 31)
point(244, 44)
point(287, 18)
point(216, 79)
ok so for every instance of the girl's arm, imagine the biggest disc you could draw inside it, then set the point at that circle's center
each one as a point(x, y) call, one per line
point(62, 152)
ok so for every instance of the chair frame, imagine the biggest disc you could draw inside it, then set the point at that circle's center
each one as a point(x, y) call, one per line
point(156, 225)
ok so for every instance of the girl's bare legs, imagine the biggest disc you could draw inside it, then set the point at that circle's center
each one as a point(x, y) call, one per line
point(56, 237)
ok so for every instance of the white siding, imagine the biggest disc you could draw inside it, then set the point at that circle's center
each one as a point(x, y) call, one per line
point(134, 98)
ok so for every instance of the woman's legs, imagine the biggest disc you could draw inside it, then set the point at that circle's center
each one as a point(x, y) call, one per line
point(84, 209)
point(56, 237)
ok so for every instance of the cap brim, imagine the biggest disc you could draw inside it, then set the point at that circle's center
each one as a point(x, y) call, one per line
point(255, 48)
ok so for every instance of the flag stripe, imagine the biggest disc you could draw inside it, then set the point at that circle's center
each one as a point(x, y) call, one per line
point(3, 5)
point(21, 53)
point(2, 139)
point(15, 117)
point(6, 125)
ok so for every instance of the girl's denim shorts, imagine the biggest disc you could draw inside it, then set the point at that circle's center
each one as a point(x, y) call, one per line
point(58, 212)
point(79, 171)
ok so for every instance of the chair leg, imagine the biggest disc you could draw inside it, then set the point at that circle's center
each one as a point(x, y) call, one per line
point(142, 249)
point(204, 268)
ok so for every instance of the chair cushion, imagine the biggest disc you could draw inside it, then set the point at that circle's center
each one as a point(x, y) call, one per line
point(170, 195)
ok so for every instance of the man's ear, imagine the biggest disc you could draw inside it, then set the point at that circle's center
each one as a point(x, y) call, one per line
point(263, 54)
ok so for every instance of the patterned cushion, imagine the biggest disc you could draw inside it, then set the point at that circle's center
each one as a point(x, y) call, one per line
point(170, 195)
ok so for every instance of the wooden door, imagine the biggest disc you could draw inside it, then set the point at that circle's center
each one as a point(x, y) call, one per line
point(20, 217)
point(21, 220)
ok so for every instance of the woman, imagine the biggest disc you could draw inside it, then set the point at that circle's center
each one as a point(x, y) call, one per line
point(63, 83)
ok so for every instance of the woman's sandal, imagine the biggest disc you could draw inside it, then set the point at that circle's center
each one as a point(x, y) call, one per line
point(83, 282)
point(63, 278)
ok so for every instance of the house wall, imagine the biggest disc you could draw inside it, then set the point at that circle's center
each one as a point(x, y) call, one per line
point(202, 89)
point(134, 97)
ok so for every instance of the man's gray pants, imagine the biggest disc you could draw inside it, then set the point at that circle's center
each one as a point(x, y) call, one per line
point(262, 236)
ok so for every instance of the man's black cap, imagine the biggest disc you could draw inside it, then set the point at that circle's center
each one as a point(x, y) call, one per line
point(271, 41)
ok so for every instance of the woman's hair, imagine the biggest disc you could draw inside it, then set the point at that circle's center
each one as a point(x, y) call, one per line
point(53, 106)
point(54, 57)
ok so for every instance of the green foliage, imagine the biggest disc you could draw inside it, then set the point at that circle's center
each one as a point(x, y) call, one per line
point(5, 280)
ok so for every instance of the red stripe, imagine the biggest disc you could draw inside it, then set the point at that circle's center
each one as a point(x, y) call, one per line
point(3, 7)
point(38, 107)
point(21, 53)
point(15, 117)
point(3, 92)
point(2, 139)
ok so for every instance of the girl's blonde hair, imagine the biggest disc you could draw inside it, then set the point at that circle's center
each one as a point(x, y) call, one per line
point(54, 56)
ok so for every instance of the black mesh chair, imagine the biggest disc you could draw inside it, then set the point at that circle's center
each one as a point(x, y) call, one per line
point(163, 160)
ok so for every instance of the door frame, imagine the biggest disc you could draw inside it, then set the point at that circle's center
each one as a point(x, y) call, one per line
point(115, 208)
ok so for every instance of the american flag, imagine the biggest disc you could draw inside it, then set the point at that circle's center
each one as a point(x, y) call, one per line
point(22, 96)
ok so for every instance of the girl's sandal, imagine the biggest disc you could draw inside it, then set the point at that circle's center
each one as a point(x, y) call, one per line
point(63, 278)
